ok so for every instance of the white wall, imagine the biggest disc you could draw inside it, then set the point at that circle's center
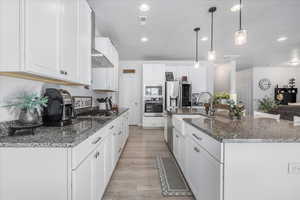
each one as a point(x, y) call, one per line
point(244, 88)
point(277, 75)
point(247, 82)
point(10, 88)
point(225, 77)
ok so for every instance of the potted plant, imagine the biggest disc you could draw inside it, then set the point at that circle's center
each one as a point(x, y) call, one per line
point(267, 104)
point(221, 98)
point(30, 106)
point(235, 110)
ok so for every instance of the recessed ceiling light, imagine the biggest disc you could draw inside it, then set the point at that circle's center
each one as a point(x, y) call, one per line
point(236, 8)
point(204, 39)
point(144, 39)
point(282, 39)
point(144, 7)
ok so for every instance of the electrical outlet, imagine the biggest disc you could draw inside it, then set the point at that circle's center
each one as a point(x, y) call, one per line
point(294, 168)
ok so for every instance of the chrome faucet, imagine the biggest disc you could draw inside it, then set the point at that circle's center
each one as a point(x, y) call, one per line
point(211, 111)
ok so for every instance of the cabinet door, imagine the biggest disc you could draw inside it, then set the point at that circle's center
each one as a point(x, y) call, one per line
point(175, 143)
point(108, 158)
point(84, 46)
point(10, 47)
point(69, 40)
point(42, 23)
point(98, 173)
point(110, 79)
point(154, 73)
point(203, 173)
point(82, 180)
point(100, 79)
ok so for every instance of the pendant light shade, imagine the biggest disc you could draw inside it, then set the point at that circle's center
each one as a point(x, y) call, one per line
point(212, 53)
point(197, 64)
point(240, 37)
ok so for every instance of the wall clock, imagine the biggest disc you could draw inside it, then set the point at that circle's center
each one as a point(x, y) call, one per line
point(264, 84)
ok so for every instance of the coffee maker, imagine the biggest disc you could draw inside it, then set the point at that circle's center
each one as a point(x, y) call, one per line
point(60, 109)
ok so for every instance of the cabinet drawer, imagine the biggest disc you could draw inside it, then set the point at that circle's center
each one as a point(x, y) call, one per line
point(212, 146)
point(81, 151)
point(153, 122)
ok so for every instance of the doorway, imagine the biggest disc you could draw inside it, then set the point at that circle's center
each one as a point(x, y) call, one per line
point(130, 92)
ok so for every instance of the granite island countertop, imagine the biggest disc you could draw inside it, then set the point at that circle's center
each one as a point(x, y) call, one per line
point(188, 111)
point(247, 130)
point(60, 137)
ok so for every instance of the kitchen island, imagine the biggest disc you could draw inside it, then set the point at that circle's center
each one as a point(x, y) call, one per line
point(248, 159)
point(74, 162)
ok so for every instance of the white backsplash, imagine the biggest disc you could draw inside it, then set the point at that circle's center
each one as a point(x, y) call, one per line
point(10, 88)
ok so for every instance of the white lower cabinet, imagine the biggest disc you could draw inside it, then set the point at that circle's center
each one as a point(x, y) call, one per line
point(79, 173)
point(81, 180)
point(203, 172)
point(98, 172)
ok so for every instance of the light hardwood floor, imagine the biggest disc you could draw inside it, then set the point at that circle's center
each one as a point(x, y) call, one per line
point(136, 177)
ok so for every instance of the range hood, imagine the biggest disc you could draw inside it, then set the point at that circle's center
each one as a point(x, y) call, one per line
point(99, 60)
point(100, 57)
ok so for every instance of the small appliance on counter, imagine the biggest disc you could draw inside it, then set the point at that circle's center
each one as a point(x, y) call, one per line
point(172, 95)
point(284, 96)
point(60, 109)
point(102, 103)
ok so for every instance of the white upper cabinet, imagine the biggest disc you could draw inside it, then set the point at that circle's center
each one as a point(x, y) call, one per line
point(49, 39)
point(69, 39)
point(85, 46)
point(10, 55)
point(154, 73)
point(42, 21)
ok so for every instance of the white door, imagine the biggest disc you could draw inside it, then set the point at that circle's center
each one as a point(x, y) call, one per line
point(130, 96)
point(42, 23)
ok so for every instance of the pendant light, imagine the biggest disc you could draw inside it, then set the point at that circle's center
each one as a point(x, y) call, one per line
point(197, 64)
point(212, 52)
point(241, 34)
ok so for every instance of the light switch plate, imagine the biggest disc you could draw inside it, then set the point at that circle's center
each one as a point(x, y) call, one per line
point(294, 168)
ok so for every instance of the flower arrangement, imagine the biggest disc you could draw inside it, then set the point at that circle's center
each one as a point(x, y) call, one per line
point(235, 110)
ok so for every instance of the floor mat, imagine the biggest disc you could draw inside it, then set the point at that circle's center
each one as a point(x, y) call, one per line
point(171, 178)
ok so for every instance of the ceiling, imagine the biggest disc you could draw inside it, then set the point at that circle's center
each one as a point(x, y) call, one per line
point(170, 27)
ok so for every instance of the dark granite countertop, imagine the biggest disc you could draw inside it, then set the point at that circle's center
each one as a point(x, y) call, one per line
point(60, 137)
point(248, 130)
point(188, 111)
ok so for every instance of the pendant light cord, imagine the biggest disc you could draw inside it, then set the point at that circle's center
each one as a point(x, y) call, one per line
point(197, 32)
point(212, 32)
point(240, 15)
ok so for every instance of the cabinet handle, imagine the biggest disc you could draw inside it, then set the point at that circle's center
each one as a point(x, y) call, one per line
point(120, 133)
point(96, 141)
point(97, 154)
point(196, 149)
point(197, 137)
point(111, 127)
